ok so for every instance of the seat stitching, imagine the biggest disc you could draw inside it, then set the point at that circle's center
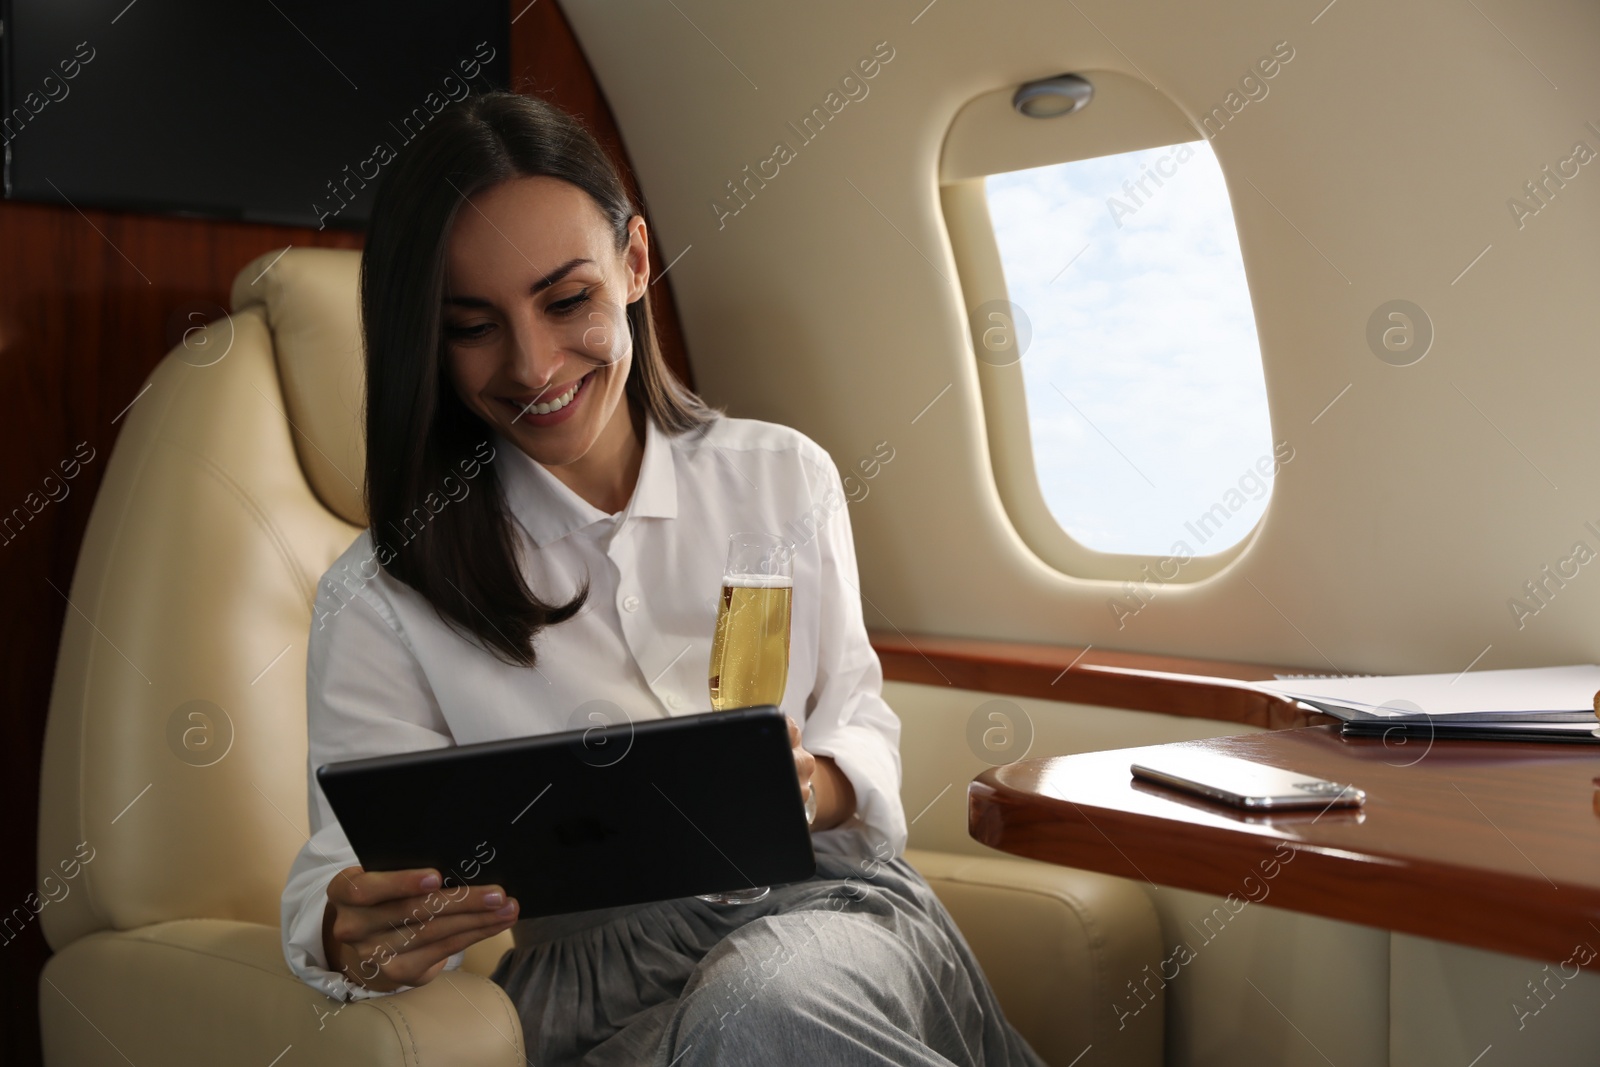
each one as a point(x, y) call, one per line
point(91, 878)
point(395, 1010)
point(143, 937)
point(384, 1004)
point(513, 1023)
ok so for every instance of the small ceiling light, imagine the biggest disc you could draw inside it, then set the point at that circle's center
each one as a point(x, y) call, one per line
point(1049, 97)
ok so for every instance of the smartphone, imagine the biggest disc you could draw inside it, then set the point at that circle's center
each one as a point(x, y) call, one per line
point(1244, 784)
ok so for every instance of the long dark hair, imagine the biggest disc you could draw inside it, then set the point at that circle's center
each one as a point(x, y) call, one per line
point(459, 551)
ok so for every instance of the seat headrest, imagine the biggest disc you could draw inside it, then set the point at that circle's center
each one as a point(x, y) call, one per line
point(310, 299)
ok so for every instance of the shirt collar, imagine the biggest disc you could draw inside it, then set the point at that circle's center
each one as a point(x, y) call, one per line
point(549, 510)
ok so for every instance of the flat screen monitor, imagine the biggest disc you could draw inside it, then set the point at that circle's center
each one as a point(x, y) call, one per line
point(281, 111)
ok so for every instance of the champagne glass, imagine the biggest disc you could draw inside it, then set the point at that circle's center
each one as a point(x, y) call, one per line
point(750, 651)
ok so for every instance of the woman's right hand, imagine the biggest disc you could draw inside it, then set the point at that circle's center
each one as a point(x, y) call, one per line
point(387, 929)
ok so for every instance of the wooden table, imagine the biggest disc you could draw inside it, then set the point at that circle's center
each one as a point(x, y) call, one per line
point(1485, 844)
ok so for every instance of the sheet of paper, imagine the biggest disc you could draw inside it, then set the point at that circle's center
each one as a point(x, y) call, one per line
point(1511, 693)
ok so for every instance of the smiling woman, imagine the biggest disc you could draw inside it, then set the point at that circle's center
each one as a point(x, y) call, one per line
point(503, 295)
point(485, 320)
point(530, 357)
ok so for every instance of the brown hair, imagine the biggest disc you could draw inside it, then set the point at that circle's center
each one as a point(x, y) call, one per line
point(419, 433)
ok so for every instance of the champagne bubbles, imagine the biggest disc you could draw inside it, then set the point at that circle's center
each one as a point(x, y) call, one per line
point(999, 732)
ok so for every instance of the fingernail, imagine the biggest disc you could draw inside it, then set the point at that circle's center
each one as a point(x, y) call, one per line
point(507, 911)
point(493, 897)
point(431, 881)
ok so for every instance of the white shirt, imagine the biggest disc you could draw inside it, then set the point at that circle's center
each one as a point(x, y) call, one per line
point(384, 674)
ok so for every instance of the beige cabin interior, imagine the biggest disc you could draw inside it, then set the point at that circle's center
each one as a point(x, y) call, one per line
point(1389, 147)
point(835, 296)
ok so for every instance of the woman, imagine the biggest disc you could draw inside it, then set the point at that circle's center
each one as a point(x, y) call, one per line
point(549, 511)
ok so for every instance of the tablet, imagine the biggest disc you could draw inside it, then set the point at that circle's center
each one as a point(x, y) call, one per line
point(591, 818)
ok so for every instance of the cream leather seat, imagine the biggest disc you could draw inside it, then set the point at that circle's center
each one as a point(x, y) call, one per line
point(174, 777)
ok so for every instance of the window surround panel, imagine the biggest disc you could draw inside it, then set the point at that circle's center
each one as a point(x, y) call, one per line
point(988, 137)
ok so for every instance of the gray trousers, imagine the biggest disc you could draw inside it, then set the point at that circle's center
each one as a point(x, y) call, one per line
point(860, 964)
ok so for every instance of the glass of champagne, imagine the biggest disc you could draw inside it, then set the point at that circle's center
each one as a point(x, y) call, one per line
point(750, 650)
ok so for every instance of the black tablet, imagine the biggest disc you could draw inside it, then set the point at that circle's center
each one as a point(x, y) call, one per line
point(590, 818)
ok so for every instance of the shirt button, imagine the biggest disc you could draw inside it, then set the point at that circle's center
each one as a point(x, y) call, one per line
point(674, 701)
point(630, 603)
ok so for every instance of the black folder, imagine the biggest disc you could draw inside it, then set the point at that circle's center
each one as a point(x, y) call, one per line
point(1447, 730)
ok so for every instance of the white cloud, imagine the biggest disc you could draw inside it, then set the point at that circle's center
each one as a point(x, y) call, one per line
point(1149, 333)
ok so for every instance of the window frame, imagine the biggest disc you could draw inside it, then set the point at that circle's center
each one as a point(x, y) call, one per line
point(982, 141)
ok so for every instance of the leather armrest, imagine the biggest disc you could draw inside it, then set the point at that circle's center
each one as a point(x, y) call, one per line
point(484, 956)
point(210, 991)
point(1059, 946)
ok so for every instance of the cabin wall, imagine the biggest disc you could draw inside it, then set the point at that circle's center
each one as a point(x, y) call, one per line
point(1421, 499)
point(1380, 167)
point(1450, 1003)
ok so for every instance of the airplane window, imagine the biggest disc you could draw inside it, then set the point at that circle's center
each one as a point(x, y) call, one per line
point(1146, 401)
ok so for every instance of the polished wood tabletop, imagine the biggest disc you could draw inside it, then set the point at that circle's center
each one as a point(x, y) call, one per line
point(1488, 844)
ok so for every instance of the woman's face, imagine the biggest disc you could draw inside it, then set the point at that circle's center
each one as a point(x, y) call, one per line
point(534, 317)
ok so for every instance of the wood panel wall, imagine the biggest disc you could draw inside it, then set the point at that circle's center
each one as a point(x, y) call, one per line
point(90, 301)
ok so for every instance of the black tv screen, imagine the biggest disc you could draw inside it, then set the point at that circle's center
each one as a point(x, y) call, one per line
point(283, 111)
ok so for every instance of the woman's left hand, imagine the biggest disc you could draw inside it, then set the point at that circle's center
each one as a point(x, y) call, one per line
point(836, 797)
point(805, 764)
